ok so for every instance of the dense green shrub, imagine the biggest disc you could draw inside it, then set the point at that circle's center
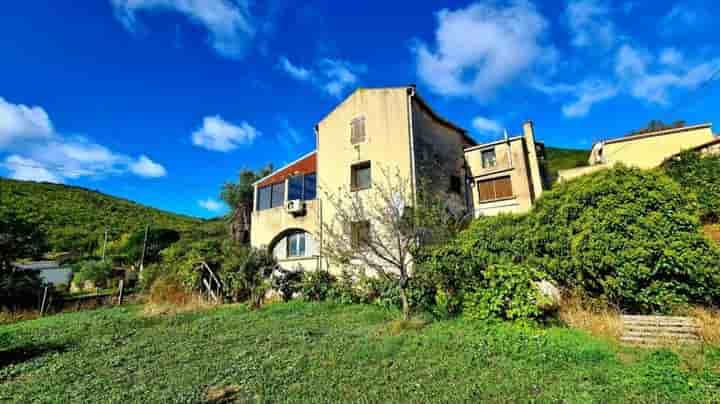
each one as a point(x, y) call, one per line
point(505, 291)
point(628, 236)
point(286, 282)
point(698, 175)
point(98, 272)
point(317, 285)
point(246, 272)
point(386, 293)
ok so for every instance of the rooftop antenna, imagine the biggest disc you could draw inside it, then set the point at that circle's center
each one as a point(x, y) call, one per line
point(506, 135)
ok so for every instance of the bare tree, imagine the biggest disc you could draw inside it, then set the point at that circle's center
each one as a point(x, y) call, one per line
point(383, 228)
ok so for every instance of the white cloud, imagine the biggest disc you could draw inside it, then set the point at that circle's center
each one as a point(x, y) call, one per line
point(486, 125)
point(20, 123)
point(339, 75)
point(671, 57)
point(587, 94)
point(29, 170)
point(228, 23)
point(633, 68)
point(296, 72)
point(332, 76)
point(145, 167)
point(219, 135)
point(589, 21)
point(38, 152)
point(681, 13)
point(211, 205)
point(482, 47)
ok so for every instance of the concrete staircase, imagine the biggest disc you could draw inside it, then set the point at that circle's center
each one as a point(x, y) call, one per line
point(659, 330)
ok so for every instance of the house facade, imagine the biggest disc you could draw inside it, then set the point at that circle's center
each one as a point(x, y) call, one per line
point(373, 132)
point(645, 150)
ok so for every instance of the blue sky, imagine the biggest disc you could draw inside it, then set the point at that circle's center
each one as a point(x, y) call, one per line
point(161, 101)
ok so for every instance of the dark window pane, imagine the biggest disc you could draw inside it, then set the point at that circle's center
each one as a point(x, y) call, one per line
point(295, 187)
point(296, 245)
point(360, 176)
point(488, 158)
point(310, 186)
point(360, 234)
point(264, 198)
point(278, 195)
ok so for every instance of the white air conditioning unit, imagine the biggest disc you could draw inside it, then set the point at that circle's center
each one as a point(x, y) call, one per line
point(295, 206)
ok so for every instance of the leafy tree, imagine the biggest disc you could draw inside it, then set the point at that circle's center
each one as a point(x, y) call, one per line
point(385, 229)
point(239, 196)
point(18, 239)
point(157, 240)
point(19, 289)
point(98, 272)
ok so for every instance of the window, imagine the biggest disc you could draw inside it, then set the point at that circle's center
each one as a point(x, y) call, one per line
point(360, 176)
point(488, 158)
point(310, 187)
point(295, 187)
point(357, 130)
point(278, 195)
point(456, 185)
point(263, 198)
point(360, 234)
point(302, 187)
point(296, 245)
point(496, 188)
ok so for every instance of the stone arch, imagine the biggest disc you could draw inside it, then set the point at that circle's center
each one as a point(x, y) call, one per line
point(278, 248)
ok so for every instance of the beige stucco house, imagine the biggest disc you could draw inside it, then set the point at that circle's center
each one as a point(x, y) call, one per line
point(645, 150)
point(376, 130)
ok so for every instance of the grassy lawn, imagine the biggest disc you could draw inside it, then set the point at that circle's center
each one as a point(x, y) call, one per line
point(301, 352)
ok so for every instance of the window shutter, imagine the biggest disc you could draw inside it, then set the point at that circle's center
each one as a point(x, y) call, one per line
point(503, 188)
point(357, 130)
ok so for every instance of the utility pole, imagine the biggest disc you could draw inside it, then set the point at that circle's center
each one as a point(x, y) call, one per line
point(105, 244)
point(142, 256)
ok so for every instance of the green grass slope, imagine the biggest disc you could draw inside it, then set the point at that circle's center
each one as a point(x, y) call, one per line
point(557, 159)
point(322, 353)
point(75, 218)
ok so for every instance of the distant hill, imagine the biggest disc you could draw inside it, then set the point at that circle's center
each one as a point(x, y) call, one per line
point(557, 159)
point(75, 218)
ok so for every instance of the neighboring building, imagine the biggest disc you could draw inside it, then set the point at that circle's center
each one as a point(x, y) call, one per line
point(645, 150)
point(387, 130)
point(51, 272)
point(506, 175)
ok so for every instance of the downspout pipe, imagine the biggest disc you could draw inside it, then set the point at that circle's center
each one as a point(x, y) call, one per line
point(413, 179)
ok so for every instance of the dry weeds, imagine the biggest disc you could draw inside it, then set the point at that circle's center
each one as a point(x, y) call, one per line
point(601, 321)
point(7, 317)
point(709, 321)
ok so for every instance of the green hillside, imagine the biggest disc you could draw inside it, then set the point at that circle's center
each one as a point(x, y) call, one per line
point(75, 219)
point(557, 159)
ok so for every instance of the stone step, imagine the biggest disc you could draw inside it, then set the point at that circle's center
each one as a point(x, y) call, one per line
point(673, 322)
point(680, 329)
point(656, 318)
point(657, 341)
point(659, 334)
